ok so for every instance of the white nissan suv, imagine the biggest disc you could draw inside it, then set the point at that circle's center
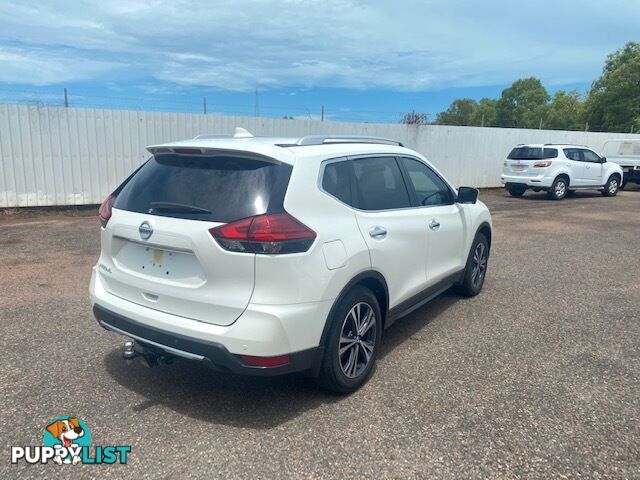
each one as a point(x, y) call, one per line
point(271, 255)
point(559, 170)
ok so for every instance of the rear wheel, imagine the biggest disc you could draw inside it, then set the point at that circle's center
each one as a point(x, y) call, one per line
point(476, 268)
point(611, 187)
point(516, 190)
point(352, 342)
point(558, 189)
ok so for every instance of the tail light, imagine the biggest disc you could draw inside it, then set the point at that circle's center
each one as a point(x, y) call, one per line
point(105, 210)
point(268, 234)
point(543, 164)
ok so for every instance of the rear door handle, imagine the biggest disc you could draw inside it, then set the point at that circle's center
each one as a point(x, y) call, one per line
point(434, 224)
point(377, 232)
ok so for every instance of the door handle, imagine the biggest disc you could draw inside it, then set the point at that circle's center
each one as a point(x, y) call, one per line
point(377, 232)
point(434, 224)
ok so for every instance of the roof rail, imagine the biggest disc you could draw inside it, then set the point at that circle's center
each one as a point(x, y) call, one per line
point(329, 139)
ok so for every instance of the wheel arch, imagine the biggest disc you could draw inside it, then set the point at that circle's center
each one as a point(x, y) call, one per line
point(563, 175)
point(370, 279)
point(485, 229)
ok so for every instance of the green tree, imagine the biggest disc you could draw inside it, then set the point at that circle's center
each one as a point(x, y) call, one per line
point(459, 113)
point(485, 113)
point(523, 104)
point(613, 103)
point(566, 111)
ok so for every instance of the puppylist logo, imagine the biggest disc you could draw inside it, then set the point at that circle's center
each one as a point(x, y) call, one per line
point(67, 440)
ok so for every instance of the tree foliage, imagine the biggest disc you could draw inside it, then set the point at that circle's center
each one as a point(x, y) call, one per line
point(612, 103)
point(415, 118)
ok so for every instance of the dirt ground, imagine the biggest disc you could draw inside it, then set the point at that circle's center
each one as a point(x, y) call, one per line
point(537, 377)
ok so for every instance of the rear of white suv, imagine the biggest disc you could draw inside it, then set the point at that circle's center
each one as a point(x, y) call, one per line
point(559, 170)
point(268, 256)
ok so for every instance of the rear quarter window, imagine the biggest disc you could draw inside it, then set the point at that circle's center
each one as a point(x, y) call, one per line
point(532, 153)
point(207, 188)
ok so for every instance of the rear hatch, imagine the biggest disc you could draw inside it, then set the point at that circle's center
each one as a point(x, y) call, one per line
point(522, 158)
point(157, 250)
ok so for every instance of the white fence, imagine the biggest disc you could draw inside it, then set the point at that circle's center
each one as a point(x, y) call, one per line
point(74, 156)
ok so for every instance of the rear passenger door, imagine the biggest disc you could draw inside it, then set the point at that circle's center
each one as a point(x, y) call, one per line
point(394, 232)
point(441, 217)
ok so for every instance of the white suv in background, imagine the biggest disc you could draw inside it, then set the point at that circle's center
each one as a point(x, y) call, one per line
point(273, 255)
point(559, 170)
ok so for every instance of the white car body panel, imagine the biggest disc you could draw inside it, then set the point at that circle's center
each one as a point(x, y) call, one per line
point(268, 305)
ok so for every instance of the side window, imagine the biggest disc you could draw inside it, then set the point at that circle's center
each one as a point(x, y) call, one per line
point(573, 154)
point(379, 184)
point(336, 180)
point(590, 156)
point(429, 187)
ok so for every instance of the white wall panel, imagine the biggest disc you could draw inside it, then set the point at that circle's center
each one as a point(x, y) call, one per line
point(73, 156)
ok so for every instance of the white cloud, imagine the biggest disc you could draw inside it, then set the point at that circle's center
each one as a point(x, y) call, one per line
point(228, 44)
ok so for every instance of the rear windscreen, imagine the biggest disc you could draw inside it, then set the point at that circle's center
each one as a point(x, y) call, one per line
point(208, 188)
point(532, 153)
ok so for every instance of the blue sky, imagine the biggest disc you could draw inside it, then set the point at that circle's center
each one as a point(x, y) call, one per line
point(363, 60)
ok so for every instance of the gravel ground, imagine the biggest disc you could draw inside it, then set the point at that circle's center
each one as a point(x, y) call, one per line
point(537, 377)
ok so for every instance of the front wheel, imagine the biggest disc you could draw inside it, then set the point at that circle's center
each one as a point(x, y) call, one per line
point(611, 187)
point(558, 189)
point(352, 342)
point(476, 268)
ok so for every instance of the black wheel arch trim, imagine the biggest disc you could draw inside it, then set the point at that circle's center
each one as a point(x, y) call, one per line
point(358, 279)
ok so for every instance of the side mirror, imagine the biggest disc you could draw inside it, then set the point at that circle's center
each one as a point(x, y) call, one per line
point(603, 159)
point(467, 195)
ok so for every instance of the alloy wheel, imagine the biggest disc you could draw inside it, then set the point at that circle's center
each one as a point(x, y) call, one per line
point(479, 265)
point(357, 339)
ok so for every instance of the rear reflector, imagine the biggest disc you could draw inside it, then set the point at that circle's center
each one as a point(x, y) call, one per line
point(268, 234)
point(105, 209)
point(265, 361)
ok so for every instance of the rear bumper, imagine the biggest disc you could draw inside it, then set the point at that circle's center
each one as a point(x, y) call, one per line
point(261, 331)
point(540, 181)
point(214, 354)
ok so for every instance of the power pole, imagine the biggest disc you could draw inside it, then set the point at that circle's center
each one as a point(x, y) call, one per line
point(482, 121)
point(540, 126)
point(322, 113)
point(204, 104)
point(256, 108)
point(66, 98)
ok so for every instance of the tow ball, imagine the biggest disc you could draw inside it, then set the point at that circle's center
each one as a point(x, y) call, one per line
point(148, 357)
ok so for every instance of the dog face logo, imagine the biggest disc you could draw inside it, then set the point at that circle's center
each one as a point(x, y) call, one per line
point(70, 433)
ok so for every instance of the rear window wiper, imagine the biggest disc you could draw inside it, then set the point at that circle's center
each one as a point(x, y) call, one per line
point(176, 207)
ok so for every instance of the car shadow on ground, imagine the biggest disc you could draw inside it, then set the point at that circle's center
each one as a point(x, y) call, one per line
point(261, 403)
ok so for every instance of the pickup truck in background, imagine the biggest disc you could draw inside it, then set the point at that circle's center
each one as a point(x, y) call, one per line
point(625, 153)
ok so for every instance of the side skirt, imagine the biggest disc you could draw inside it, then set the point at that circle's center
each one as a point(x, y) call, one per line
point(412, 304)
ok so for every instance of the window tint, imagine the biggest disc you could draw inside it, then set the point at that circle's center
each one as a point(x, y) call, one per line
point(532, 153)
point(573, 154)
point(379, 184)
point(208, 188)
point(590, 156)
point(429, 187)
point(336, 180)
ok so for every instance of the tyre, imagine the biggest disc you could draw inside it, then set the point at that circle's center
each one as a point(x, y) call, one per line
point(352, 342)
point(516, 190)
point(558, 189)
point(612, 186)
point(476, 268)
point(625, 179)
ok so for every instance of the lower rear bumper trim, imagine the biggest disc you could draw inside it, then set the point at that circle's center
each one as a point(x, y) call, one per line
point(214, 354)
